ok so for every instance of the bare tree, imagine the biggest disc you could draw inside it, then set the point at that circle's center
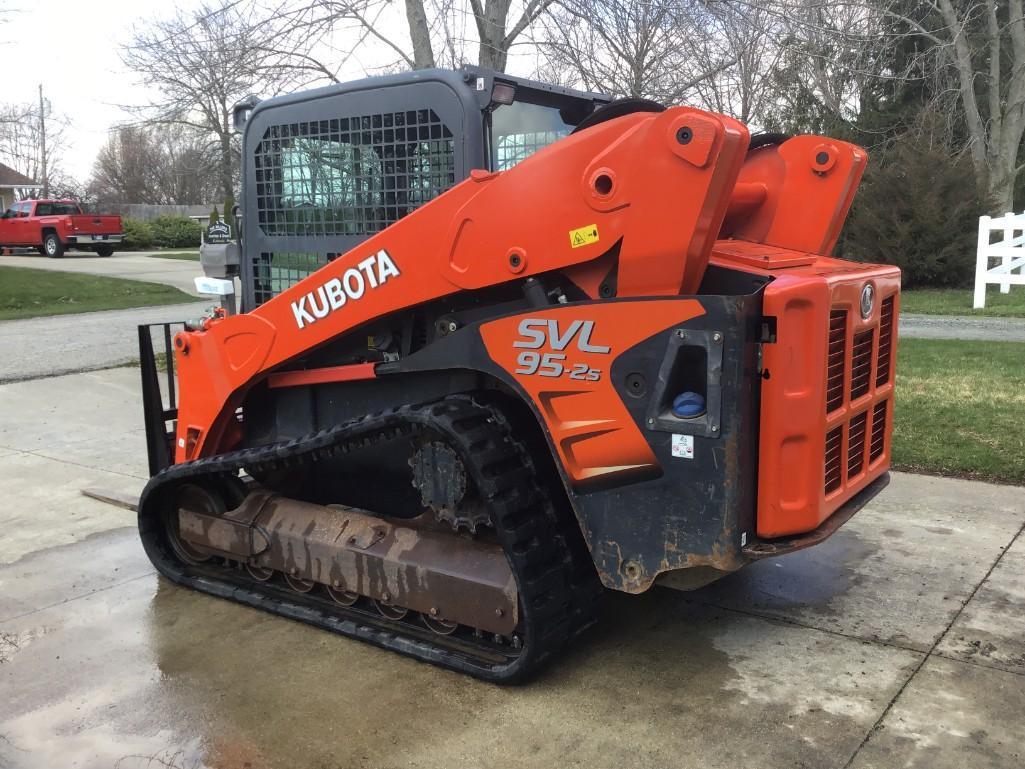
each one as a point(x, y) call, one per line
point(639, 49)
point(747, 40)
point(31, 139)
point(436, 31)
point(972, 50)
point(984, 44)
point(200, 63)
point(141, 164)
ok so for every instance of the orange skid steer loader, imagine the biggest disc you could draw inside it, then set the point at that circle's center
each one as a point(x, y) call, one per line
point(503, 346)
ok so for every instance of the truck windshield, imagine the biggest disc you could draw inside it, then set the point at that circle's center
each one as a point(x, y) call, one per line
point(520, 129)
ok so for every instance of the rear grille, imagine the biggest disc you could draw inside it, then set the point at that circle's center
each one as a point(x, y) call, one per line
point(878, 431)
point(857, 367)
point(856, 444)
point(885, 341)
point(861, 363)
point(834, 441)
point(836, 359)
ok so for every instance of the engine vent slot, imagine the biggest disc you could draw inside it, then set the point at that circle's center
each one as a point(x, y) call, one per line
point(856, 444)
point(878, 431)
point(836, 360)
point(834, 443)
point(885, 342)
point(861, 363)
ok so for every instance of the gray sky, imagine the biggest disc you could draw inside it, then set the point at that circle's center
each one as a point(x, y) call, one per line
point(71, 47)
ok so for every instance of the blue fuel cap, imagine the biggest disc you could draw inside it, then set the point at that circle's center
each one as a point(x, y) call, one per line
point(688, 405)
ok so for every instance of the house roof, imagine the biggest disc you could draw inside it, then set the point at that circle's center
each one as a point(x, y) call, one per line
point(11, 178)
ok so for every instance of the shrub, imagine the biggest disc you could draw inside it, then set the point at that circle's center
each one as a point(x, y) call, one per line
point(918, 208)
point(138, 235)
point(175, 232)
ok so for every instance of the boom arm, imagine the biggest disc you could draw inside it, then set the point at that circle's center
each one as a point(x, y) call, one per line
point(658, 184)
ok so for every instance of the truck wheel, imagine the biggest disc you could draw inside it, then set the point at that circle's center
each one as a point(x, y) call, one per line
point(52, 246)
point(105, 250)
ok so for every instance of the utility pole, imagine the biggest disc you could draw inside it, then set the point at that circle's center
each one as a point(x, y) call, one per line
point(42, 142)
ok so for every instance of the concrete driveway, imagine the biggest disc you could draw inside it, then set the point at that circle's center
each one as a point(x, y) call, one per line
point(135, 265)
point(899, 642)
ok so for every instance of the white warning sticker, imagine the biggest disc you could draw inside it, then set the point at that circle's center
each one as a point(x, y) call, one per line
point(683, 446)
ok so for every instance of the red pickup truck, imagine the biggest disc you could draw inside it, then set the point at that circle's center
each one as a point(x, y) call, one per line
point(51, 226)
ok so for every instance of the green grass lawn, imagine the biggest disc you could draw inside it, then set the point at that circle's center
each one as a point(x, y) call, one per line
point(27, 293)
point(188, 256)
point(958, 301)
point(960, 409)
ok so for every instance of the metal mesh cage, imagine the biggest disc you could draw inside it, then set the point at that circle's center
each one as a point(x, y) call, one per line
point(274, 272)
point(511, 148)
point(350, 176)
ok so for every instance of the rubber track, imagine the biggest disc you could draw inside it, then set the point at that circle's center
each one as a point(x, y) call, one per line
point(558, 591)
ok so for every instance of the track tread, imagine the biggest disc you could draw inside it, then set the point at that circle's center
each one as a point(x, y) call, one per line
point(558, 592)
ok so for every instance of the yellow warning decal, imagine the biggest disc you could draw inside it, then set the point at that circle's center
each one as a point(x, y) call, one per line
point(583, 236)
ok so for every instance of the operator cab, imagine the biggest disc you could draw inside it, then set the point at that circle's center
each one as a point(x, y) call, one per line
point(327, 168)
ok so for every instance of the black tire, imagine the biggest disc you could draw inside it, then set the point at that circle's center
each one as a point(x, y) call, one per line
point(105, 250)
point(52, 246)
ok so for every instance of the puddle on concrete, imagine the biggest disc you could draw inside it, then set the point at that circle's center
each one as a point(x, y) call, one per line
point(147, 674)
point(807, 579)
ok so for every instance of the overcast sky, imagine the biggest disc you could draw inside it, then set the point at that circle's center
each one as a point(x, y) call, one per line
point(71, 47)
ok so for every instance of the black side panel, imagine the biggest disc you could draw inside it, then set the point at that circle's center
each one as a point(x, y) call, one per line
point(700, 509)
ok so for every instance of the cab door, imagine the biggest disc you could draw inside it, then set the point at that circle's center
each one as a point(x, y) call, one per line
point(22, 226)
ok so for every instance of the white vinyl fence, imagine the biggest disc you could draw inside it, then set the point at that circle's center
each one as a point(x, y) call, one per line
point(999, 262)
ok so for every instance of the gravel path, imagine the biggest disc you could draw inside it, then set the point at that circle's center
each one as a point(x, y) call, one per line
point(962, 327)
point(42, 347)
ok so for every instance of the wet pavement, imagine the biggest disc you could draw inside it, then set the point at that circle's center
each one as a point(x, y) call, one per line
point(899, 642)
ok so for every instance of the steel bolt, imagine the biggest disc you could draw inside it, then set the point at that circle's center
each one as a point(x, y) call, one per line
point(336, 583)
point(681, 333)
point(434, 611)
point(386, 597)
point(499, 613)
point(716, 337)
point(715, 428)
point(453, 326)
point(651, 421)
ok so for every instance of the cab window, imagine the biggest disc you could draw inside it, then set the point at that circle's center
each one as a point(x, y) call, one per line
point(44, 209)
point(520, 129)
